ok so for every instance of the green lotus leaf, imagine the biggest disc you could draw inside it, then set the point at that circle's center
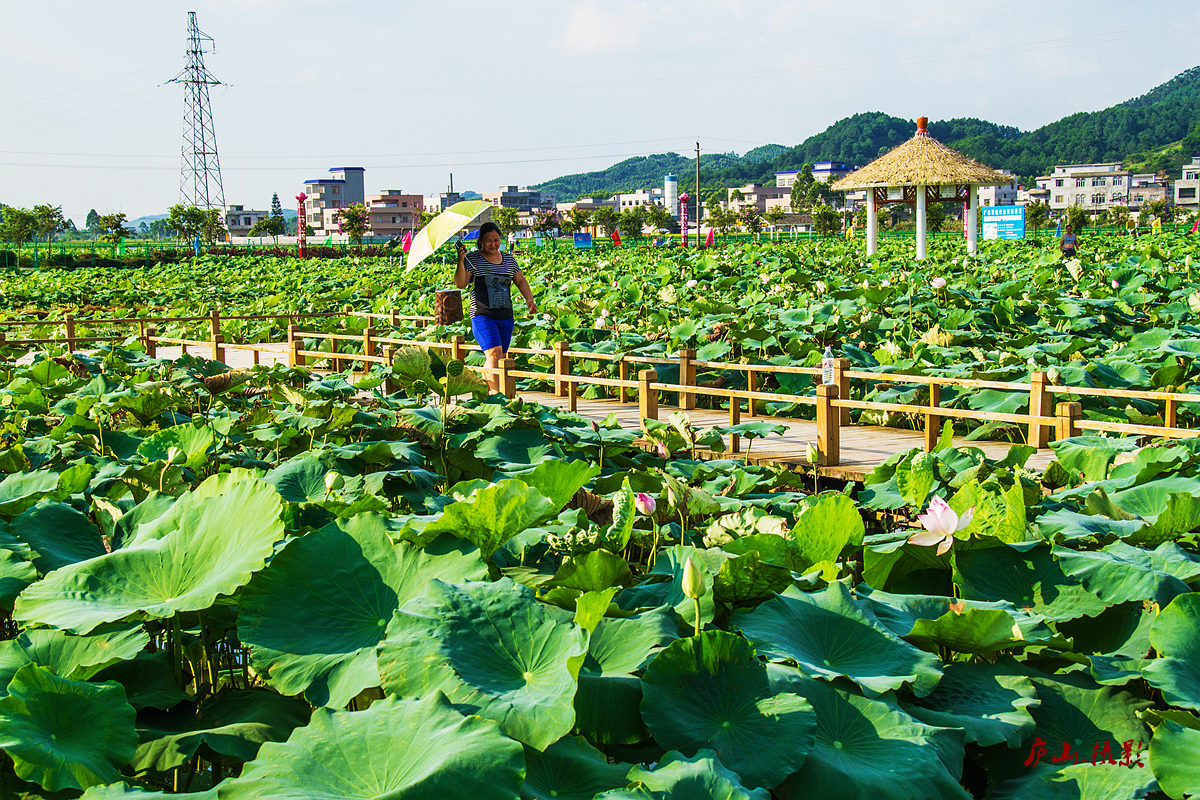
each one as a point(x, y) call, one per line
point(301, 479)
point(608, 703)
point(214, 545)
point(514, 447)
point(57, 535)
point(234, 725)
point(1121, 630)
point(701, 777)
point(867, 750)
point(401, 749)
point(1075, 711)
point(492, 516)
point(663, 585)
point(313, 618)
point(748, 579)
point(1175, 634)
point(15, 574)
point(987, 702)
point(123, 791)
point(1120, 573)
point(999, 511)
point(489, 646)
point(67, 655)
point(977, 627)
point(1064, 525)
point(593, 571)
point(830, 636)
point(65, 734)
point(1032, 579)
point(21, 490)
point(559, 480)
point(770, 548)
point(194, 441)
point(148, 678)
point(824, 527)
point(1079, 782)
point(569, 769)
point(1091, 455)
point(1173, 759)
point(712, 692)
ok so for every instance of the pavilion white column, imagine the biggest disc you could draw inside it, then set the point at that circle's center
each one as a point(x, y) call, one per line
point(973, 220)
point(872, 224)
point(921, 222)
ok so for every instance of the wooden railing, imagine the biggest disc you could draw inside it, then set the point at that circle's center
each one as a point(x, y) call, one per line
point(1044, 421)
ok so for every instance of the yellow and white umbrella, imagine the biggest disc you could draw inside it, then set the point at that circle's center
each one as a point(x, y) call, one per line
point(442, 229)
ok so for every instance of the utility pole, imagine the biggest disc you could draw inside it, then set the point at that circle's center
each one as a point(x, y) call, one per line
point(200, 170)
point(698, 206)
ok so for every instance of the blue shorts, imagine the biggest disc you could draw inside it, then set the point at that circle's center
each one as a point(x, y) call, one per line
point(491, 333)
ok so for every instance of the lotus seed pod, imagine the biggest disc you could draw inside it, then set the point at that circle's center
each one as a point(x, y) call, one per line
point(176, 456)
point(333, 481)
point(454, 368)
point(693, 581)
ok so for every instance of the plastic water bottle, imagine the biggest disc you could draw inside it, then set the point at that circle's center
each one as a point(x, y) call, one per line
point(827, 366)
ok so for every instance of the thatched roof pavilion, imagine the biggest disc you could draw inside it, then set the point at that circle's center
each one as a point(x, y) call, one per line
point(920, 171)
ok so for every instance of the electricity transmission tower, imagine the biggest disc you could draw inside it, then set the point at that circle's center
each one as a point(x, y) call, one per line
point(200, 170)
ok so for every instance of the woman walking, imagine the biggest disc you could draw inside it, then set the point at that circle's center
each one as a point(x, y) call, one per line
point(491, 274)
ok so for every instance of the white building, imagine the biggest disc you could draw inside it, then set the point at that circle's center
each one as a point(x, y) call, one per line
point(1093, 187)
point(999, 195)
point(1187, 188)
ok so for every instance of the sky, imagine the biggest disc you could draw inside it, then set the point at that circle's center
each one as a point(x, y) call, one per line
point(518, 93)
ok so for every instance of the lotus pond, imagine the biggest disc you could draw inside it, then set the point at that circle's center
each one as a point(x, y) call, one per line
point(268, 584)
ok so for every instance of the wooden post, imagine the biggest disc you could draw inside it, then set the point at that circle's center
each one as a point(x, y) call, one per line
point(751, 386)
point(647, 397)
point(218, 352)
point(1171, 413)
point(368, 348)
point(562, 366)
point(294, 357)
point(457, 347)
point(623, 374)
point(151, 345)
point(347, 310)
point(1068, 419)
point(69, 325)
point(572, 396)
point(840, 367)
point(394, 317)
point(214, 324)
point(687, 377)
point(1041, 401)
point(389, 354)
point(933, 421)
point(829, 431)
point(508, 383)
point(735, 417)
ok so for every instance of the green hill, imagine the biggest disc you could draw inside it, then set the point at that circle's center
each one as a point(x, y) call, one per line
point(1142, 125)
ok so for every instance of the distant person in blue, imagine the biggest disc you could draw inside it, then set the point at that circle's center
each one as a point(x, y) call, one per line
point(491, 274)
point(1068, 243)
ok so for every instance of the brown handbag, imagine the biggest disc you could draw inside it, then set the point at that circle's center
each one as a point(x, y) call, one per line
point(447, 307)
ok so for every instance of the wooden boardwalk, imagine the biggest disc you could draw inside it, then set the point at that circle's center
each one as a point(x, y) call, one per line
point(863, 447)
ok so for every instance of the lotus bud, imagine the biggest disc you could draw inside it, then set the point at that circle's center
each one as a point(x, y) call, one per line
point(644, 503)
point(693, 581)
point(176, 456)
point(454, 368)
point(812, 453)
point(938, 283)
point(333, 481)
point(692, 283)
point(1115, 285)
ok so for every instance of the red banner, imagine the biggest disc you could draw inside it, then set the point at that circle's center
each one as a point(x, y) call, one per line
point(616, 238)
point(683, 219)
point(301, 221)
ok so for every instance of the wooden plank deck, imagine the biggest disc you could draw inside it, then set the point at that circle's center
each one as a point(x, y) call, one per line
point(863, 447)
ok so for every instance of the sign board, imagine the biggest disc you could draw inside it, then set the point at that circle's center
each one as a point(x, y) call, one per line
point(583, 241)
point(1003, 222)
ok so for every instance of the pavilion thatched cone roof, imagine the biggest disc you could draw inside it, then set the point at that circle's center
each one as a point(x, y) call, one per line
point(922, 160)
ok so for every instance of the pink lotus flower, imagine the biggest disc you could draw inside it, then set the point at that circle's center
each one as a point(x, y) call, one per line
point(662, 450)
point(938, 283)
point(644, 503)
point(941, 523)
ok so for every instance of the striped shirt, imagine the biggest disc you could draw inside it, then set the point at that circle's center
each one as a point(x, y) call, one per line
point(491, 285)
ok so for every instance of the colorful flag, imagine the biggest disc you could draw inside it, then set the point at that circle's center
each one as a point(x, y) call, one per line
point(616, 238)
point(406, 241)
point(849, 231)
point(712, 239)
point(1196, 224)
point(1058, 230)
point(328, 240)
point(1156, 226)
